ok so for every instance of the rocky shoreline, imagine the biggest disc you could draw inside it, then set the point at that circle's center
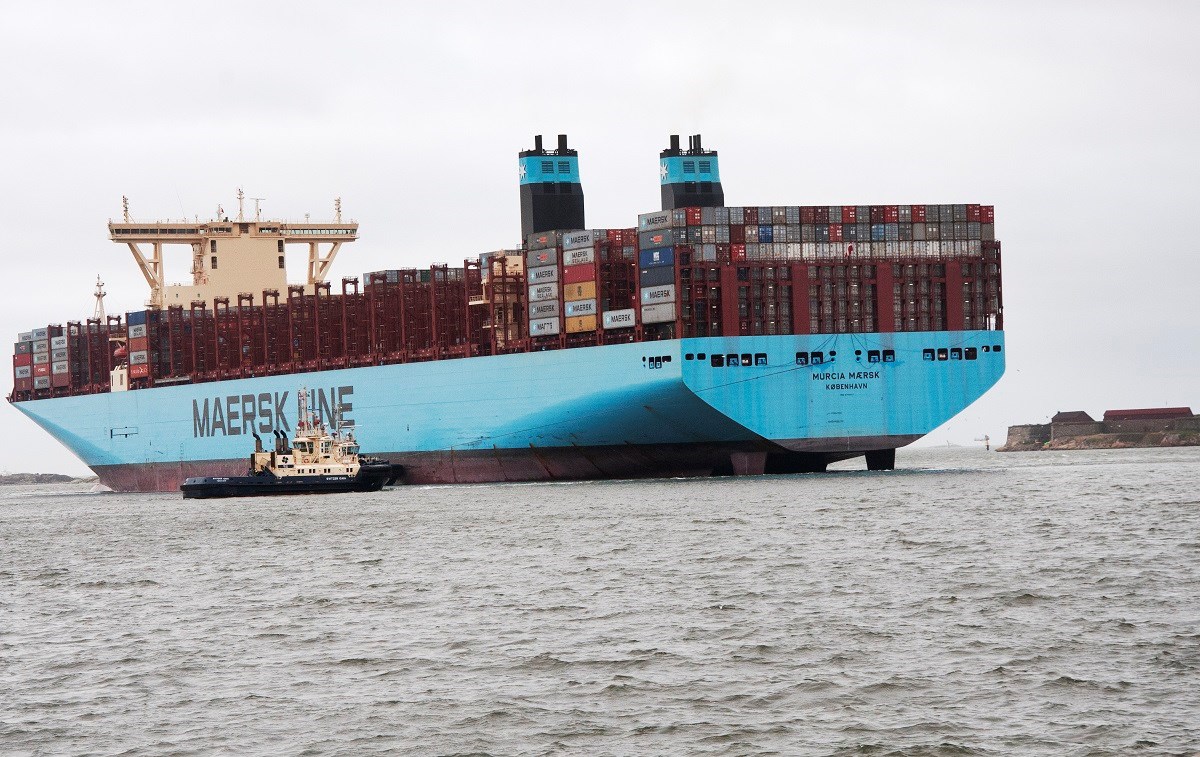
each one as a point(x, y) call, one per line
point(1107, 441)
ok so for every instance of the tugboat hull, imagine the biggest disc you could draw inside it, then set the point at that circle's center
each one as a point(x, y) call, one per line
point(208, 487)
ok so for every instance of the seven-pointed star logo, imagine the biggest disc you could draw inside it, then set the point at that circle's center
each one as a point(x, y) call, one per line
point(522, 171)
point(662, 170)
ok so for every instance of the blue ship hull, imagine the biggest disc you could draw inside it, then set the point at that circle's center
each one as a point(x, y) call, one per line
point(628, 410)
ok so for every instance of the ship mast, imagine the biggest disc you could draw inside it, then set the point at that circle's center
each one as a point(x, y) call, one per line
point(98, 313)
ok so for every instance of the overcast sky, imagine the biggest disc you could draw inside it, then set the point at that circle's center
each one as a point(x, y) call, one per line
point(1079, 121)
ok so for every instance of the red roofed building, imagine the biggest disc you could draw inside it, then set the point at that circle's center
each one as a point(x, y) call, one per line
point(1148, 413)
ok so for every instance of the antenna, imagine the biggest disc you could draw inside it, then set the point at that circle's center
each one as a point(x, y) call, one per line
point(337, 209)
point(98, 313)
point(220, 212)
point(241, 210)
point(257, 200)
point(125, 207)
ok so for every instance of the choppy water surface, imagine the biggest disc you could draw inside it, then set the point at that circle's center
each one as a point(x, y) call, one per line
point(975, 603)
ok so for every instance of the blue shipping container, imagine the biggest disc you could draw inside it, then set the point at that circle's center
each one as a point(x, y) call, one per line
point(660, 256)
point(136, 318)
point(765, 234)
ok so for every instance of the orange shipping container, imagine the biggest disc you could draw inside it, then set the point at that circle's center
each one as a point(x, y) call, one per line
point(584, 291)
point(141, 370)
point(139, 344)
point(581, 323)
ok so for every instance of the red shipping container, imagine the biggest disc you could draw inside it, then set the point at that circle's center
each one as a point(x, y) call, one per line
point(891, 214)
point(22, 360)
point(737, 252)
point(835, 232)
point(822, 214)
point(737, 234)
point(973, 213)
point(751, 216)
point(693, 216)
point(849, 214)
point(613, 235)
point(141, 370)
point(918, 213)
point(139, 344)
point(577, 274)
point(41, 370)
point(808, 214)
point(60, 379)
point(23, 384)
point(987, 213)
point(877, 214)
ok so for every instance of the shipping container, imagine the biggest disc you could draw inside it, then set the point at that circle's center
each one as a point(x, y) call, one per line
point(135, 318)
point(58, 355)
point(58, 343)
point(23, 371)
point(138, 358)
point(544, 309)
point(38, 335)
point(136, 331)
point(581, 323)
point(574, 274)
point(576, 308)
point(24, 358)
point(547, 274)
point(548, 256)
point(579, 256)
point(620, 319)
point(660, 238)
point(41, 358)
point(139, 370)
point(575, 239)
point(663, 312)
point(542, 239)
point(59, 367)
point(41, 382)
point(545, 327)
point(22, 348)
point(653, 221)
point(41, 369)
point(25, 336)
point(659, 275)
point(656, 257)
point(582, 291)
point(539, 292)
point(41, 346)
point(655, 295)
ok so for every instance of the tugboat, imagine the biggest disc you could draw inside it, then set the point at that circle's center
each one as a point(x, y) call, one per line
point(318, 461)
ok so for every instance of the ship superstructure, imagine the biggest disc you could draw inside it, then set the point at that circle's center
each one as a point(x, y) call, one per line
point(705, 339)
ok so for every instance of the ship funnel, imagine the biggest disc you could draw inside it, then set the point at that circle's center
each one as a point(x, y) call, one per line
point(689, 178)
point(551, 195)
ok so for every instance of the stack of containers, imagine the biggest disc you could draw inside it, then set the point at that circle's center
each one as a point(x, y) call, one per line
point(541, 276)
point(23, 362)
point(60, 363)
point(656, 262)
point(139, 345)
point(41, 358)
point(622, 246)
point(579, 280)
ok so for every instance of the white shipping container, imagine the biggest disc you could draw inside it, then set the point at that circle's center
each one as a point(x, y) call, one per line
point(620, 319)
point(579, 256)
point(544, 327)
point(547, 274)
point(808, 250)
point(138, 358)
point(41, 345)
point(577, 308)
point(539, 292)
point(548, 256)
point(58, 343)
point(60, 367)
point(663, 312)
point(654, 221)
point(545, 309)
point(654, 295)
point(22, 371)
point(138, 331)
point(41, 382)
point(40, 334)
point(41, 358)
point(57, 355)
point(25, 336)
point(574, 239)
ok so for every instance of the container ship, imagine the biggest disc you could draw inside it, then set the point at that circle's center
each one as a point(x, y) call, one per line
point(706, 339)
